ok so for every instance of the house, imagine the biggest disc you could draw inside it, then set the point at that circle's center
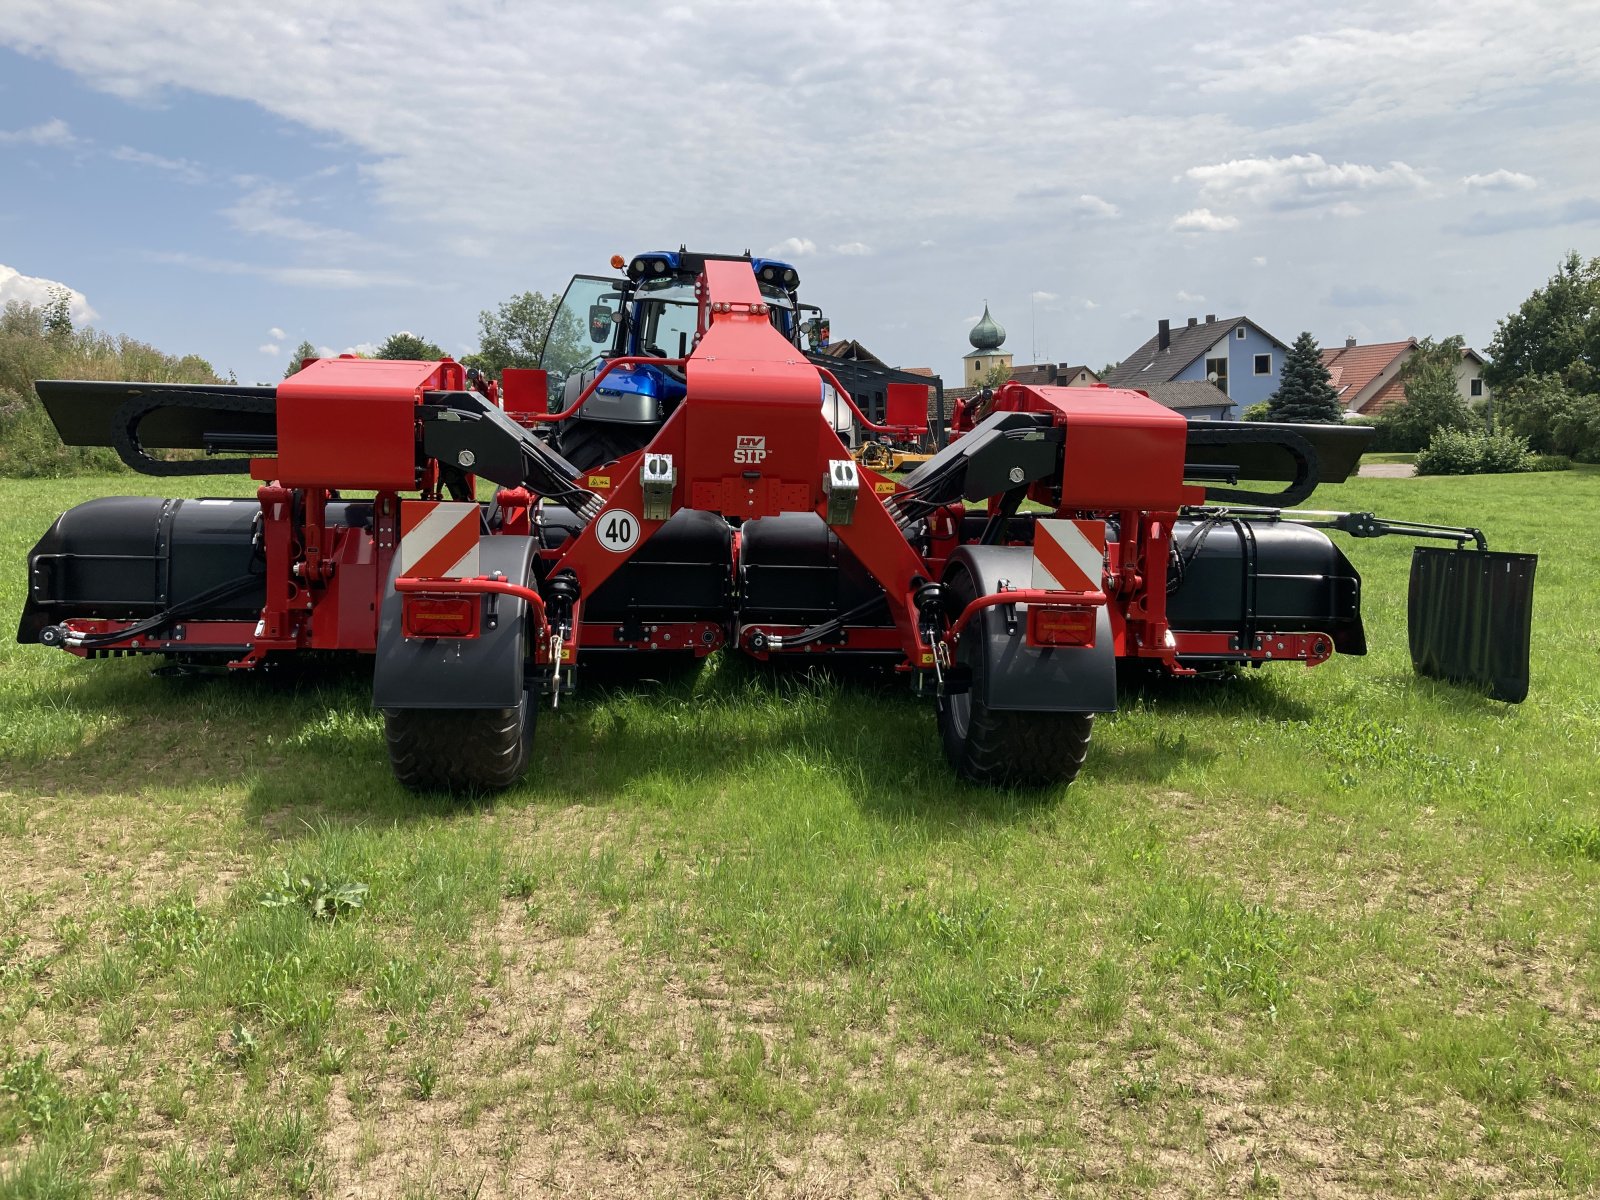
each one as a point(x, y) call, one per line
point(1238, 356)
point(865, 376)
point(1197, 399)
point(1367, 378)
point(1054, 375)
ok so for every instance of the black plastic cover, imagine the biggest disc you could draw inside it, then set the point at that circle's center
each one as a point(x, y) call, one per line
point(1470, 614)
point(794, 570)
point(129, 557)
point(684, 572)
point(1245, 577)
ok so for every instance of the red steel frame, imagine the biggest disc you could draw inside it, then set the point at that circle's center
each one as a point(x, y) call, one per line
point(351, 423)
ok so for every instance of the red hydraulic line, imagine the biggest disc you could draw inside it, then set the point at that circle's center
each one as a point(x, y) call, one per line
point(614, 364)
point(1025, 596)
point(848, 399)
point(501, 587)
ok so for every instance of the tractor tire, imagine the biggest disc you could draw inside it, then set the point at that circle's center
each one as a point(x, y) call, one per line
point(590, 444)
point(1005, 747)
point(460, 749)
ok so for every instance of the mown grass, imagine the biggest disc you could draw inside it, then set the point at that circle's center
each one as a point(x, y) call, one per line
point(1308, 932)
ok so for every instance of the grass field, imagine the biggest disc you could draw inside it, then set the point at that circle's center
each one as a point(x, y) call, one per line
point(1327, 932)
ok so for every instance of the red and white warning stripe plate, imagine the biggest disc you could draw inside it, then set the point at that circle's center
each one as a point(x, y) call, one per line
point(439, 539)
point(1068, 556)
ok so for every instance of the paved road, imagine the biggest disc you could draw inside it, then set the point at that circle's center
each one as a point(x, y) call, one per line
point(1387, 470)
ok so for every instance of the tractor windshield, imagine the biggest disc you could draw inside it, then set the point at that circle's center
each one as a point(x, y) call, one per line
point(584, 327)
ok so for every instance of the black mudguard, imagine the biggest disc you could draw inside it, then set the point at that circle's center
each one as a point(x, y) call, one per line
point(481, 672)
point(1024, 678)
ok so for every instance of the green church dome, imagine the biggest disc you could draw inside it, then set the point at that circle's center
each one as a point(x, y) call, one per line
point(987, 334)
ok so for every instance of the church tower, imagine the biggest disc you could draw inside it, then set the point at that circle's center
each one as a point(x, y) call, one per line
point(987, 337)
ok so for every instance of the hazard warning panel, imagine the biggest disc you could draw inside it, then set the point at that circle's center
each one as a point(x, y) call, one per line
point(1068, 556)
point(439, 539)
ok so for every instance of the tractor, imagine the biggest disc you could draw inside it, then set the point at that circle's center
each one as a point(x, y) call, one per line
point(686, 491)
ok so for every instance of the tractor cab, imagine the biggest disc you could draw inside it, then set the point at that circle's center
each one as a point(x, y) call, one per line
point(649, 316)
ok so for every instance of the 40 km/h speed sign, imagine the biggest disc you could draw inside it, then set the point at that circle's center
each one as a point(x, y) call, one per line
point(618, 531)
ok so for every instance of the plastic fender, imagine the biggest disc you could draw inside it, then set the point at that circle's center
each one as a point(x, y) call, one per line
point(1014, 675)
point(481, 672)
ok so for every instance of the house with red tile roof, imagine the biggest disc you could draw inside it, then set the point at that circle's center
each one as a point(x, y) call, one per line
point(1367, 378)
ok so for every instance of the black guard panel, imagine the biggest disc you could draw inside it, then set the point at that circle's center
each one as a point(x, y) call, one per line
point(481, 672)
point(1470, 614)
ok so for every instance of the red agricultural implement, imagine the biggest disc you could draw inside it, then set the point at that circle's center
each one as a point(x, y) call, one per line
point(481, 553)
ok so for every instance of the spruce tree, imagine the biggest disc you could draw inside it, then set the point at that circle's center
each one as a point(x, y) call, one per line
point(1305, 394)
point(302, 352)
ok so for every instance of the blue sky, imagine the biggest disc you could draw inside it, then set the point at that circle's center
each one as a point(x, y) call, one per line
point(229, 180)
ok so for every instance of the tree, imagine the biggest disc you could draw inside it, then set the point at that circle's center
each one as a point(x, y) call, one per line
point(513, 334)
point(1433, 397)
point(409, 346)
point(995, 376)
point(58, 312)
point(1556, 331)
point(1305, 394)
point(1553, 418)
point(302, 352)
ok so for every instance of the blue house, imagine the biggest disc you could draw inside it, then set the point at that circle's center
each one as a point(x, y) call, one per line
point(1242, 359)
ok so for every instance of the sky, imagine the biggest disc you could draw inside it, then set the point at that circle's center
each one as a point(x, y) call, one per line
point(233, 178)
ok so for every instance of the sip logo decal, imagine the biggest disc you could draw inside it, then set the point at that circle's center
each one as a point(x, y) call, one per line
point(749, 448)
point(618, 530)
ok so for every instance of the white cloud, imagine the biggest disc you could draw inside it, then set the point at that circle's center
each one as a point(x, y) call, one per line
point(269, 348)
point(1043, 297)
point(1406, 60)
point(1300, 180)
point(852, 249)
point(1014, 174)
point(1500, 181)
point(182, 168)
point(31, 289)
point(54, 132)
point(792, 247)
point(1094, 206)
point(1203, 220)
point(262, 211)
point(337, 278)
point(1260, 260)
point(276, 334)
point(327, 352)
point(365, 349)
point(1186, 298)
point(1090, 305)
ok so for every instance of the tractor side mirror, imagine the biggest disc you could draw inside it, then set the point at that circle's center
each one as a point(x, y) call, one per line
point(600, 318)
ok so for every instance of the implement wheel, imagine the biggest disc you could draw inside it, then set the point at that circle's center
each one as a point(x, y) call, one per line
point(1004, 746)
point(460, 749)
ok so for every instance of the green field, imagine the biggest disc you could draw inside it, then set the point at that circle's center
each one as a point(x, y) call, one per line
point(1318, 933)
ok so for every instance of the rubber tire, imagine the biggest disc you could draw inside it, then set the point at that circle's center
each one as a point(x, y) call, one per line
point(590, 444)
point(1005, 747)
point(460, 749)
